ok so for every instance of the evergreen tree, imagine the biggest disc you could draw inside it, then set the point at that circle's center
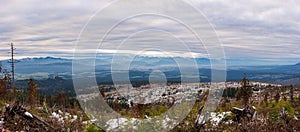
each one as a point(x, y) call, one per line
point(62, 100)
point(266, 96)
point(245, 92)
point(33, 92)
point(292, 94)
point(277, 96)
point(102, 92)
point(4, 82)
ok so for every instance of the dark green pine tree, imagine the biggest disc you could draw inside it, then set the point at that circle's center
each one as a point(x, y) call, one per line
point(277, 96)
point(244, 93)
point(292, 94)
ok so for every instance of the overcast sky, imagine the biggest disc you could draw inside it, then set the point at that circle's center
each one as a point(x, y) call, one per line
point(264, 31)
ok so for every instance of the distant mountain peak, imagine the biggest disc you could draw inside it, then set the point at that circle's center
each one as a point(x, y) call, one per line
point(48, 57)
point(40, 58)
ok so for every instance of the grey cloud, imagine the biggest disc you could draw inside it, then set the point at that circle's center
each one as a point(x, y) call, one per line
point(269, 26)
point(37, 38)
point(248, 29)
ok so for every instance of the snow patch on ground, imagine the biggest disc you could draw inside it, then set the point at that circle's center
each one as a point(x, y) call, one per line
point(119, 123)
point(115, 123)
point(63, 116)
point(28, 114)
point(216, 118)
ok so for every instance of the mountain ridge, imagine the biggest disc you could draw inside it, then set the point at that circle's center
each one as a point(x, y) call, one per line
point(141, 66)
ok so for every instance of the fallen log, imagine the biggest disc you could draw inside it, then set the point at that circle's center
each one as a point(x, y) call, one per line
point(30, 119)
